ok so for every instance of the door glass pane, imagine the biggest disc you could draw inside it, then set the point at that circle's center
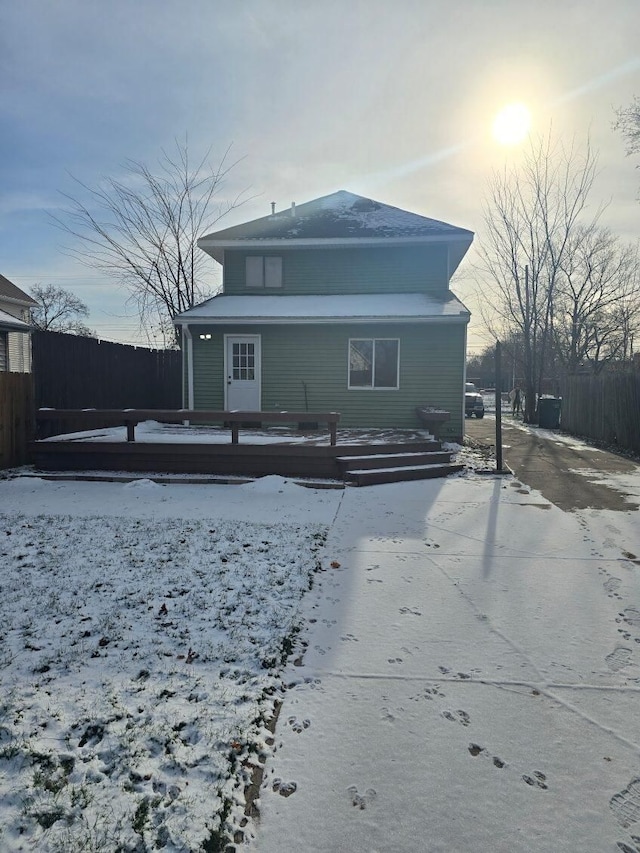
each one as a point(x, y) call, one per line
point(243, 360)
point(386, 364)
point(360, 364)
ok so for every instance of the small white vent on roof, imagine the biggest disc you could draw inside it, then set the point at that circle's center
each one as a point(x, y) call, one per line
point(293, 208)
point(273, 207)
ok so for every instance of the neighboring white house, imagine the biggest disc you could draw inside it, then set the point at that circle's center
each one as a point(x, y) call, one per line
point(15, 328)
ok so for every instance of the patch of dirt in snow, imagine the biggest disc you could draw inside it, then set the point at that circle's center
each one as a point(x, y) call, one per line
point(472, 454)
point(139, 661)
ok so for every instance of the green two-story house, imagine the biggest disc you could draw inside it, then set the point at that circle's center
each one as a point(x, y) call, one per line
point(339, 304)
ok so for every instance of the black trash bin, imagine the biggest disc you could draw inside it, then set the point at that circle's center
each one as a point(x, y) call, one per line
point(549, 412)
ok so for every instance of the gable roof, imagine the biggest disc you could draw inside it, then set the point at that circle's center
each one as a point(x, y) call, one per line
point(339, 219)
point(8, 290)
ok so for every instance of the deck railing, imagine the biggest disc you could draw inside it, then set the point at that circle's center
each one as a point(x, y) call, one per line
point(235, 419)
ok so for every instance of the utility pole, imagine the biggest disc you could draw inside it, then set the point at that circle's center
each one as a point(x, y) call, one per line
point(499, 406)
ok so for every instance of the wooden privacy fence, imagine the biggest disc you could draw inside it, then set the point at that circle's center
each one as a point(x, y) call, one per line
point(604, 407)
point(72, 372)
point(16, 417)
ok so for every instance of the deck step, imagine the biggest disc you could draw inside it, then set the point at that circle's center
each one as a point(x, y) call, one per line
point(375, 476)
point(373, 449)
point(394, 460)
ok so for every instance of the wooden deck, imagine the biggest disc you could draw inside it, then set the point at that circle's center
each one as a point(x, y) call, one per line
point(359, 457)
point(288, 460)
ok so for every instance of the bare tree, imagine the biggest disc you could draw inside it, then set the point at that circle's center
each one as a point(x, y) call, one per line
point(597, 306)
point(143, 228)
point(531, 212)
point(628, 123)
point(59, 310)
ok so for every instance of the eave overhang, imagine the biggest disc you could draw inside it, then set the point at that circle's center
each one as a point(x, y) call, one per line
point(458, 244)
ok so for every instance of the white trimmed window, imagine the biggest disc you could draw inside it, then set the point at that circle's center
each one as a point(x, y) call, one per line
point(374, 363)
point(263, 271)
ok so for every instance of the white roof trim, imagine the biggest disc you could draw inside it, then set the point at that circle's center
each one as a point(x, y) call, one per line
point(331, 242)
point(28, 302)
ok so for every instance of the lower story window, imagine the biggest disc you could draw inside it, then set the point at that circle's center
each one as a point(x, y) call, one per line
point(374, 362)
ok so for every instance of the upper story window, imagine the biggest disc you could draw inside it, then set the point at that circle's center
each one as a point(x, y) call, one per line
point(263, 271)
point(374, 363)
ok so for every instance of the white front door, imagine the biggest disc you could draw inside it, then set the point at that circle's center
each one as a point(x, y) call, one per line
point(242, 372)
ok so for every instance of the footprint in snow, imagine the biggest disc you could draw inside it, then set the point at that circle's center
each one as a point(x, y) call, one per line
point(626, 804)
point(619, 658)
point(285, 789)
point(611, 584)
point(537, 780)
point(457, 717)
point(298, 725)
point(627, 848)
point(631, 615)
point(475, 750)
point(361, 801)
point(430, 692)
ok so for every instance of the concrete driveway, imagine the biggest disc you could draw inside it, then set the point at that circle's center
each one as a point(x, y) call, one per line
point(569, 474)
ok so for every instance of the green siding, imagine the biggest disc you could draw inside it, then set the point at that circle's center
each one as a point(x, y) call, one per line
point(431, 371)
point(416, 269)
point(185, 376)
point(208, 373)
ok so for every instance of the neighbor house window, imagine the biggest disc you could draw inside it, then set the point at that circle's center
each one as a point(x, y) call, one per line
point(264, 271)
point(374, 362)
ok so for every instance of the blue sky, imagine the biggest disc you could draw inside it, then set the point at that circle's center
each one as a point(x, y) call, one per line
point(392, 99)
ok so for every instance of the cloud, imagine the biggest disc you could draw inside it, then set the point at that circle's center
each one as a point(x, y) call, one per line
point(28, 201)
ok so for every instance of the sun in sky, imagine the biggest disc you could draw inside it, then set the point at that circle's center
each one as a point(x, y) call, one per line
point(512, 124)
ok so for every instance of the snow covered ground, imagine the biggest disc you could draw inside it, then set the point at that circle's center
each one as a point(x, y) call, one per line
point(471, 680)
point(465, 677)
point(142, 633)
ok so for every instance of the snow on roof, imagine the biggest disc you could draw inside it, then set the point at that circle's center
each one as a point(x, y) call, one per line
point(342, 308)
point(12, 324)
point(339, 215)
